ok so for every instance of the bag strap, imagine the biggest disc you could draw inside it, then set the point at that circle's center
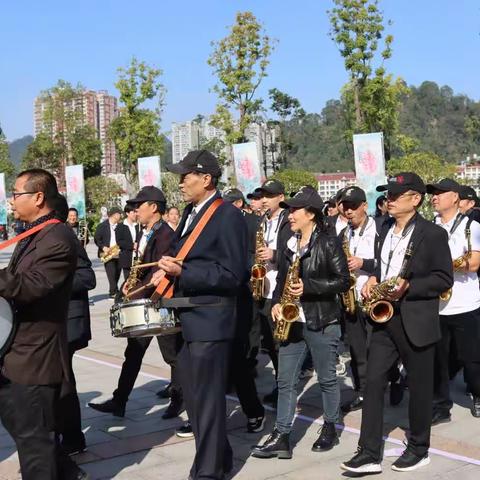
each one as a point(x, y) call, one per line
point(27, 233)
point(165, 287)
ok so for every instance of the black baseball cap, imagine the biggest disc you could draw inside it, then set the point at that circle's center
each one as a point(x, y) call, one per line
point(307, 196)
point(254, 195)
point(201, 161)
point(468, 193)
point(232, 195)
point(403, 182)
point(444, 185)
point(148, 194)
point(332, 201)
point(352, 195)
point(273, 187)
point(114, 210)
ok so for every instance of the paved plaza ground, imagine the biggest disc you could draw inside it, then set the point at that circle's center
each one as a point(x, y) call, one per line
point(143, 446)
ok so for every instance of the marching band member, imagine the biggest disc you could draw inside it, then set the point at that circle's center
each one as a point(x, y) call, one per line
point(323, 274)
point(126, 235)
point(256, 204)
point(105, 239)
point(413, 253)
point(460, 309)
point(469, 203)
point(209, 279)
point(359, 240)
point(154, 242)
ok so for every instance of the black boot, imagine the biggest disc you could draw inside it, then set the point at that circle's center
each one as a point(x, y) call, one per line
point(175, 408)
point(476, 407)
point(276, 445)
point(328, 438)
point(166, 392)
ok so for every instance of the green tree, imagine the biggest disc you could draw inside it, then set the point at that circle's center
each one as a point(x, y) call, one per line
point(288, 109)
point(136, 131)
point(294, 179)
point(171, 190)
point(44, 153)
point(87, 150)
point(371, 98)
point(100, 192)
point(240, 62)
point(6, 165)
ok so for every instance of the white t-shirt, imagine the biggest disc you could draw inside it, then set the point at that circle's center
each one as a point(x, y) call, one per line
point(393, 251)
point(271, 235)
point(131, 227)
point(292, 246)
point(142, 244)
point(465, 291)
point(340, 224)
point(362, 246)
point(113, 238)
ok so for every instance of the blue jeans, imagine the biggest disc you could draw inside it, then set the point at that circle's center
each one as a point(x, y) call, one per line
point(323, 345)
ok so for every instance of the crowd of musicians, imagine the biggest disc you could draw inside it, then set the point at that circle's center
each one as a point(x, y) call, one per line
point(280, 272)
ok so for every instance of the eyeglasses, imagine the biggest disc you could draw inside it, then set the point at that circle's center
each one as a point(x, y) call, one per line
point(396, 196)
point(15, 195)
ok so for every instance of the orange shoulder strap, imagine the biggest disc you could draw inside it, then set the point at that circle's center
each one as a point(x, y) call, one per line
point(165, 287)
point(27, 233)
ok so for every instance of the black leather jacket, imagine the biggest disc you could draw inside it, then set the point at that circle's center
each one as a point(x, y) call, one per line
point(324, 272)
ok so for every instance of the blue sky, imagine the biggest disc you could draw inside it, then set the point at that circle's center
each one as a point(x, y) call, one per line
point(85, 41)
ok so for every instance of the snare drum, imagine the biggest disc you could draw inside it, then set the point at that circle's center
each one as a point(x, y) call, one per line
point(139, 318)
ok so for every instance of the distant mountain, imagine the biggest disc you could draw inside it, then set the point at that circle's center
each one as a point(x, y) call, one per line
point(17, 149)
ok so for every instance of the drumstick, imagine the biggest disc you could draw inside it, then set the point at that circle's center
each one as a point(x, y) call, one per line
point(138, 290)
point(179, 261)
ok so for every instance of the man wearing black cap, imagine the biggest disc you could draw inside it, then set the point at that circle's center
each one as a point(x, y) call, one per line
point(155, 240)
point(256, 203)
point(404, 249)
point(208, 279)
point(469, 202)
point(359, 236)
point(105, 239)
point(460, 310)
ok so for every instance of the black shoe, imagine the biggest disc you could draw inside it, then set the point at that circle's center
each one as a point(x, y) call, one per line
point(174, 409)
point(440, 416)
point(74, 448)
point(82, 475)
point(272, 397)
point(362, 462)
point(408, 461)
point(356, 404)
point(110, 406)
point(256, 424)
point(165, 392)
point(185, 431)
point(476, 407)
point(396, 393)
point(276, 445)
point(328, 438)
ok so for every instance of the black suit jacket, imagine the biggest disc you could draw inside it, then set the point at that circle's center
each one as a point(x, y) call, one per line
point(125, 242)
point(78, 323)
point(102, 236)
point(217, 266)
point(158, 245)
point(284, 234)
point(253, 222)
point(38, 283)
point(429, 273)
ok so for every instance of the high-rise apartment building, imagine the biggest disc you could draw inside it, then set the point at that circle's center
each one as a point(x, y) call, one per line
point(97, 109)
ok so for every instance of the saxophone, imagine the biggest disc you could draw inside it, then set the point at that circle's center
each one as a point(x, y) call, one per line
point(349, 298)
point(289, 304)
point(259, 269)
point(379, 309)
point(458, 262)
point(112, 253)
point(133, 277)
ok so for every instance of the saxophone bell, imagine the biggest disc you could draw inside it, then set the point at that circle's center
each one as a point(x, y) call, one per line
point(259, 269)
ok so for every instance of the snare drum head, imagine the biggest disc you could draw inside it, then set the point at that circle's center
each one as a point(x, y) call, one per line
point(6, 325)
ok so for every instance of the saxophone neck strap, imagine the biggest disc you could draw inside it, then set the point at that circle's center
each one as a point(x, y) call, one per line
point(28, 233)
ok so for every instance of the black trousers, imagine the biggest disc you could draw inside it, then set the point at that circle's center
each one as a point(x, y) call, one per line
point(267, 327)
point(126, 273)
point(204, 370)
point(112, 269)
point(27, 413)
point(389, 342)
point(136, 347)
point(356, 332)
point(69, 419)
point(459, 346)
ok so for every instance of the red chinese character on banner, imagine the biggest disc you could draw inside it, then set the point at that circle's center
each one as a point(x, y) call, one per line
point(149, 177)
point(368, 162)
point(74, 185)
point(245, 168)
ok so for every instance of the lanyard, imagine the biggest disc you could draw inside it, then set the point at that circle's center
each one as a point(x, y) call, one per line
point(456, 224)
point(405, 232)
point(360, 234)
